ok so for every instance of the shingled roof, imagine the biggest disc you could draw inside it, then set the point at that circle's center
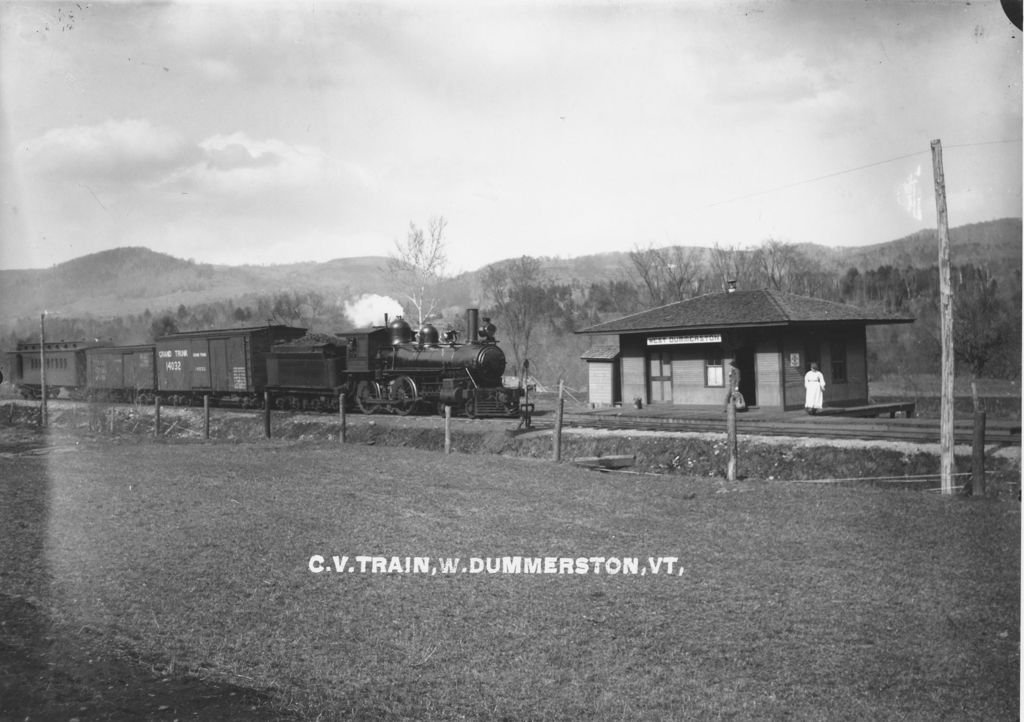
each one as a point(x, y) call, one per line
point(741, 309)
point(600, 353)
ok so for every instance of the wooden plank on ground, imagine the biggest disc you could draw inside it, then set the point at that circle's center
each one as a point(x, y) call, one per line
point(613, 461)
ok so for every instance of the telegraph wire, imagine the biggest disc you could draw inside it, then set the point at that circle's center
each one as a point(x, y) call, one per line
point(854, 170)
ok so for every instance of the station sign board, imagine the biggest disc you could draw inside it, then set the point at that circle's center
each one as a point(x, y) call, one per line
point(684, 339)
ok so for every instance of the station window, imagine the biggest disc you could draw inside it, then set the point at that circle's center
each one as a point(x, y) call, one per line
point(837, 348)
point(714, 373)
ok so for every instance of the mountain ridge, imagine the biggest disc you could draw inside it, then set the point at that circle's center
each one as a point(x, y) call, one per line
point(132, 278)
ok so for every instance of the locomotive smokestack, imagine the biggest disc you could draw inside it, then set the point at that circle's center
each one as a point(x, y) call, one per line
point(472, 323)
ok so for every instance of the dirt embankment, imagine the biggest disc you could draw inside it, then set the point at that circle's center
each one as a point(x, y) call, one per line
point(700, 455)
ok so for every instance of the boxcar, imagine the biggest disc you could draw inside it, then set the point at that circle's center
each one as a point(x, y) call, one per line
point(227, 364)
point(65, 367)
point(122, 373)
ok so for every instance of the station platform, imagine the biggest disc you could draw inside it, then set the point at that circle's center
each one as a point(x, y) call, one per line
point(873, 421)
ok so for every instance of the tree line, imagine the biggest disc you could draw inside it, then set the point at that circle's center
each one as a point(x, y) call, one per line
point(537, 312)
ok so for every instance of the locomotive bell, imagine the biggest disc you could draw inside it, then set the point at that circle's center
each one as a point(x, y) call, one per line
point(401, 332)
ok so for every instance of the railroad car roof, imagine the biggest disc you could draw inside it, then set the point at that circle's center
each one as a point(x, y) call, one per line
point(56, 345)
point(744, 309)
point(277, 328)
point(113, 349)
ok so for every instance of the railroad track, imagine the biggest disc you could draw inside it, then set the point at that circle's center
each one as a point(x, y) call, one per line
point(914, 430)
point(1005, 432)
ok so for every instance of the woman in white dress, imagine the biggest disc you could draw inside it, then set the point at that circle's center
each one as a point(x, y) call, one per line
point(814, 385)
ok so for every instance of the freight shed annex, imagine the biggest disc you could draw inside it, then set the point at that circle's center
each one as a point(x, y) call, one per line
point(680, 353)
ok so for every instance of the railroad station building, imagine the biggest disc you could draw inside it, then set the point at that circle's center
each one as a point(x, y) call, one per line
point(680, 353)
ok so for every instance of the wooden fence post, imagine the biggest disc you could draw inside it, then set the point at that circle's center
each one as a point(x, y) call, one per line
point(156, 417)
point(447, 428)
point(266, 414)
point(341, 412)
point(559, 408)
point(978, 455)
point(730, 429)
point(43, 414)
point(206, 416)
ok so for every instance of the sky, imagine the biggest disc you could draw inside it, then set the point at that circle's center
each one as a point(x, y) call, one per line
point(262, 132)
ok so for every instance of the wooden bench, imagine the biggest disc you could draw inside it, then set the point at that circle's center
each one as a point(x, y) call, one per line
point(874, 410)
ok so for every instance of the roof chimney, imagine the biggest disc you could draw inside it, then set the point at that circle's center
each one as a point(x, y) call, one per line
point(731, 285)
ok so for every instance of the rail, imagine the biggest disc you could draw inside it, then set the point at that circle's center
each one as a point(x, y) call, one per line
point(1006, 432)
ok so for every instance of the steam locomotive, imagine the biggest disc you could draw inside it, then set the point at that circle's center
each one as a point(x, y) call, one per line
point(378, 369)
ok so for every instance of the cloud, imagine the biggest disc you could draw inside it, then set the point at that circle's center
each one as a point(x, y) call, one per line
point(133, 151)
point(237, 163)
point(115, 149)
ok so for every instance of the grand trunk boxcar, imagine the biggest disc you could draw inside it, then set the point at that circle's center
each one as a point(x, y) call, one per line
point(225, 363)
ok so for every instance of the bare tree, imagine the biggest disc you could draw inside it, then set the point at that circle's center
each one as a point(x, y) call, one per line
point(778, 262)
point(666, 275)
point(807, 277)
point(982, 321)
point(520, 298)
point(733, 264)
point(418, 266)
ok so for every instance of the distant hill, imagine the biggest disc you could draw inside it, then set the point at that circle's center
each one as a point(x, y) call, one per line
point(129, 280)
point(993, 244)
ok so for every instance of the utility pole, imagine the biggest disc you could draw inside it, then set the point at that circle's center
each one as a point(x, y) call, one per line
point(946, 462)
point(42, 367)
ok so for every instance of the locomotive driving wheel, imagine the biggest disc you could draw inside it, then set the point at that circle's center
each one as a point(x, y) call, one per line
point(366, 395)
point(403, 395)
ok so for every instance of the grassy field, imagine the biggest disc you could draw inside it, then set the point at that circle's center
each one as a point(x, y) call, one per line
point(794, 601)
